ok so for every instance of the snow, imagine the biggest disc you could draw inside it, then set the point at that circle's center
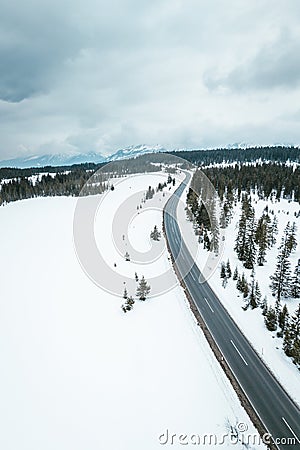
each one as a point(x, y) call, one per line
point(251, 322)
point(75, 371)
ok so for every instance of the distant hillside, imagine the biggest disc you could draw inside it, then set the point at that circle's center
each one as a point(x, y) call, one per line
point(229, 154)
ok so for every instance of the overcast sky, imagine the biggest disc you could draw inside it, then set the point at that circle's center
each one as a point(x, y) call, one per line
point(101, 75)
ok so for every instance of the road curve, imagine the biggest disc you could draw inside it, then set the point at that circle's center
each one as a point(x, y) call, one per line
point(279, 414)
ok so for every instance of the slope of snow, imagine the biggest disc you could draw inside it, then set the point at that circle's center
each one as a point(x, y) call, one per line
point(251, 322)
point(75, 371)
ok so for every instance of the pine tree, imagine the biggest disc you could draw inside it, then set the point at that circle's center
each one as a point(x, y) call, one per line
point(257, 293)
point(223, 271)
point(127, 257)
point(295, 285)
point(250, 250)
point(206, 242)
point(288, 340)
point(270, 319)
point(143, 289)
point(252, 296)
point(269, 229)
point(283, 318)
point(136, 277)
point(192, 201)
point(226, 210)
point(245, 242)
point(235, 274)
point(239, 284)
point(280, 280)
point(261, 239)
point(242, 231)
point(295, 334)
point(130, 301)
point(296, 352)
point(223, 218)
point(125, 294)
point(155, 234)
point(242, 285)
point(202, 217)
point(277, 307)
point(128, 305)
point(150, 193)
point(228, 269)
point(215, 232)
point(273, 231)
point(292, 241)
point(264, 306)
point(245, 286)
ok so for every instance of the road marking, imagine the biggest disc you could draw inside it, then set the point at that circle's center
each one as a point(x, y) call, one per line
point(175, 239)
point(239, 352)
point(193, 276)
point(290, 428)
point(208, 304)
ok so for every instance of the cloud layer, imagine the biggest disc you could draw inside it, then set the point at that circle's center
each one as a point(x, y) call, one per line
point(183, 73)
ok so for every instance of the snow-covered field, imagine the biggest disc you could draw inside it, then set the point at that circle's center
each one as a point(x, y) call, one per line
point(251, 322)
point(75, 371)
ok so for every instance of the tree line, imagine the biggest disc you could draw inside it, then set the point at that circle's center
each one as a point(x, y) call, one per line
point(268, 179)
point(66, 184)
point(18, 184)
point(278, 153)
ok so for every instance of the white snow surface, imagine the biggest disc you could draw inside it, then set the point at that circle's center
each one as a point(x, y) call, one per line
point(75, 371)
point(251, 322)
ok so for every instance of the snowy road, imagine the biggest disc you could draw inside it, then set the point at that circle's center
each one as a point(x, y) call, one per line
point(277, 411)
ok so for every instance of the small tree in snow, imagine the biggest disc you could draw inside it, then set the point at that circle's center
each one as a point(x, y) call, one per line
point(283, 319)
point(143, 289)
point(264, 306)
point(155, 234)
point(128, 305)
point(271, 319)
point(223, 271)
point(228, 269)
point(257, 294)
point(127, 257)
point(235, 274)
point(130, 301)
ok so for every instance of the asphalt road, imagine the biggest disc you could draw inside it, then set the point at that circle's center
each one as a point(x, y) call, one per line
point(277, 411)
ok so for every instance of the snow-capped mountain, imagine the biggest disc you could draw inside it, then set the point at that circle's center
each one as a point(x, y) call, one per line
point(79, 158)
point(135, 150)
point(95, 157)
point(53, 160)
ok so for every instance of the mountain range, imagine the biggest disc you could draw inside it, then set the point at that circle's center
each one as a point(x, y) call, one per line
point(68, 159)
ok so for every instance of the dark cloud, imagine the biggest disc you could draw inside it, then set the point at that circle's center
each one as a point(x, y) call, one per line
point(36, 38)
point(275, 66)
